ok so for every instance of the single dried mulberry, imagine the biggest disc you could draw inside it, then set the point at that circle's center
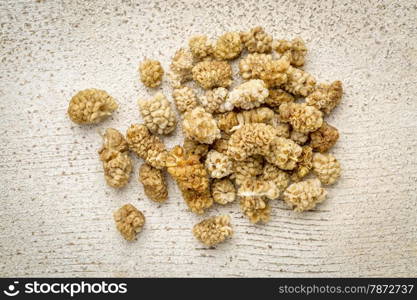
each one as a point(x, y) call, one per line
point(221, 144)
point(299, 137)
point(326, 168)
point(253, 65)
point(151, 73)
point(277, 97)
point(154, 183)
point(210, 74)
point(91, 106)
point(198, 202)
point(302, 117)
point(304, 195)
point(129, 221)
point(185, 99)
point(200, 126)
point(223, 191)
point(195, 148)
point(248, 95)
point(257, 40)
point(299, 82)
point(257, 209)
point(324, 138)
point(228, 46)
point(200, 46)
point(218, 165)
point(326, 96)
point(248, 168)
point(295, 49)
point(232, 121)
point(213, 231)
point(181, 67)
point(214, 101)
point(158, 114)
point(304, 164)
point(113, 142)
point(146, 146)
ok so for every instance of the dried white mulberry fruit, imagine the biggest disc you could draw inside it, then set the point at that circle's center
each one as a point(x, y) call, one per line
point(253, 65)
point(181, 67)
point(326, 96)
point(185, 99)
point(113, 142)
point(210, 74)
point(151, 73)
point(228, 46)
point(91, 106)
point(324, 138)
point(304, 195)
point(326, 168)
point(304, 164)
point(248, 168)
point(257, 209)
point(223, 191)
point(298, 137)
point(213, 231)
point(195, 148)
point(257, 40)
point(214, 101)
point(248, 95)
point(232, 121)
point(218, 165)
point(295, 49)
point(200, 46)
point(277, 97)
point(200, 126)
point(299, 82)
point(158, 114)
point(154, 183)
point(302, 117)
point(129, 221)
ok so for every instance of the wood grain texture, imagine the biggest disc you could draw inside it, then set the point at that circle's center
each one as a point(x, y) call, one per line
point(55, 216)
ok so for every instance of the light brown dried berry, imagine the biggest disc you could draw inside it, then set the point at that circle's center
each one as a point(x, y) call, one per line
point(223, 191)
point(248, 168)
point(277, 97)
point(151, 73)
point(295, 49)
point(185, 99)
point(113, 142)
point(257, 40)
point(256, 209)
point(158, 114)
point(232, 121)
point(326, 168)
point(91, 106)
point(218, 165)
point(300, 82)
point(221, 144)
point(195, 148)
point(285, 153)
point(211, 74)
point(282, 130)
point(154, 183)
point(214, 101)
point(298, 137)
point(146, 146)
point(248, 95)
point(302, 117)
point(326, 96)
point(304, 164)
point(253, 65)
point(200, 46)
point(228, 46)
point(198, 202)
point(324, 138)
point(304, 195)
point(200, 126)
point(129, 221)
point(213, 231)
point(181, 67)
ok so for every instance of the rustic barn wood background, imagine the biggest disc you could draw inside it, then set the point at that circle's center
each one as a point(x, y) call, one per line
point(56, 210)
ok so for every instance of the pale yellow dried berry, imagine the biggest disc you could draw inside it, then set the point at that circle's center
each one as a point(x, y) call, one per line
point(326, 96)
point(211, 74)
point(196, 148)
point(286, 154)
point(181, 67)
point(200, 46)
point(185, 99)
point(299, 82)
point(218, 165)
point(154, 183)
point(221, 144)
point(248, 95)
point(227, 121)
point(223, 191)
point(277, 97)
point(326, 167)
point(248, 168)
point(257, 40)
point(304, 195)
point(295, 49)
point(282, 130)
point(146, 146)
point(233, 120)
point(214, 101)
point(253, 65)
point(257, 209)
point(213, 231)
point(129, 221)
point(324, 138)
point(276, 73)
point(299, 137)
point(114, 154)
point(198, 202)
point(158, 114)
point(302, 117)
point(151, 73)
point(228, 46)
point(200, 126)
point(91, 106)
point(304, 164)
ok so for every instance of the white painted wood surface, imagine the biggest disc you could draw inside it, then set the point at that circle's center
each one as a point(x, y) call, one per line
point(55, 216)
